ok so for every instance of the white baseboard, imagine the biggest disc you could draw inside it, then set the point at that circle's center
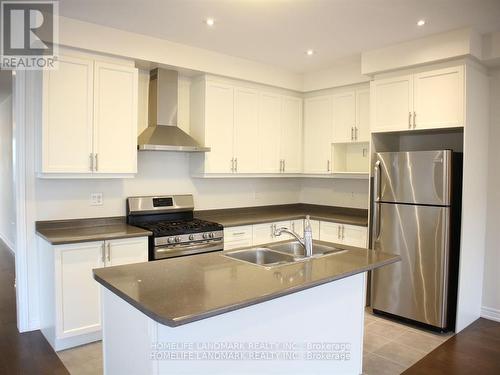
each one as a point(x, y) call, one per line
point(490, 313)
point(7, 243)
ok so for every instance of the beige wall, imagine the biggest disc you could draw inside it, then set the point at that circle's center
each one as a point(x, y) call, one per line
point(491, 289)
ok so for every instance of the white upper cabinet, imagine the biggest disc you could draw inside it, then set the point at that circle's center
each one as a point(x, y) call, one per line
point(428, 100)
point(391, 103)
point(362, 127)
point(249, 130)
point(318, 120)
point(246, 131)
point(89, 118)
point(344, 117)
point(67, 128)
point(218, 131)
point(270, 133)
point(439, 98)
point(291, 135)
point(115, 118)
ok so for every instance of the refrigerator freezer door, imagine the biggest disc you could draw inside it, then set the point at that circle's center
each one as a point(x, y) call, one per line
point(416, 287)
point(420, 177)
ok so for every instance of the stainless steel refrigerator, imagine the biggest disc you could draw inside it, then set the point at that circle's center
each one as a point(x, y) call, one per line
point(416, 215)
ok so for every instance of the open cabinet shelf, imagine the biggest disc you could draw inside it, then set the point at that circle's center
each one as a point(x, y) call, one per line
point(350, 158)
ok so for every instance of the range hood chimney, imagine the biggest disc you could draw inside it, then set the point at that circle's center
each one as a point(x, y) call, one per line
point(162, 133)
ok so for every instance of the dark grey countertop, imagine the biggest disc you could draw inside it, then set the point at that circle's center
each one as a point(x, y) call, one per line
point(80, 230)
point(254, 215)
point(59, 232)
point(182, 290)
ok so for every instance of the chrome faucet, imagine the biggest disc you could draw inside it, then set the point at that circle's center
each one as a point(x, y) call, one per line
point(306, 241)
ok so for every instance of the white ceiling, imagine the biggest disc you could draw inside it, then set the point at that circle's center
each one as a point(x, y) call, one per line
point(278, 32)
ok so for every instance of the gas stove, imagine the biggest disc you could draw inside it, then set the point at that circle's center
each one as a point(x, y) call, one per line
point(175, 231)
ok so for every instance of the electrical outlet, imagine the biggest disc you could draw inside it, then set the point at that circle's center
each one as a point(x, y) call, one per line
point(96, 199)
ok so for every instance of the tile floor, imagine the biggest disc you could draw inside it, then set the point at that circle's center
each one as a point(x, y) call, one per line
point(389, 348)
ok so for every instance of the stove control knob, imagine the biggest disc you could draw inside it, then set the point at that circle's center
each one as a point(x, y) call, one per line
point(205, 235)
point(191, 237)
point(177, 239)
point(170, 239)
point(211, 235)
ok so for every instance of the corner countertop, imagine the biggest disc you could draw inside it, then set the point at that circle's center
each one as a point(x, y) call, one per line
point(178, 291)
point(81, 230)
point(263, 214)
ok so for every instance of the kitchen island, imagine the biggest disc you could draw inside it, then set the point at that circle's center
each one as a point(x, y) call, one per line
point(213, 314)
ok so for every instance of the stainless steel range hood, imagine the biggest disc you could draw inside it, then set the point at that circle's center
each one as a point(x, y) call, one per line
point(162, 133)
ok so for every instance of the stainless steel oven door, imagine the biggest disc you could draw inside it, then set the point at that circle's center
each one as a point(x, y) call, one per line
point(171, 251)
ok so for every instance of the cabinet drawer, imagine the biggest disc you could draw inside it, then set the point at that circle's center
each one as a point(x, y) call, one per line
point(237, 233)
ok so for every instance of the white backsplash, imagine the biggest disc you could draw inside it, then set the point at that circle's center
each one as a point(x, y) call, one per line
point(168, 173)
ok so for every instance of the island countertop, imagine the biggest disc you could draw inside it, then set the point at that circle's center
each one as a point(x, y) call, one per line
point(186, 289)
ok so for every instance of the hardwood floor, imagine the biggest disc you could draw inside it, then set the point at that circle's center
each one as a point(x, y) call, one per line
point(475, 350)
point(20, 353)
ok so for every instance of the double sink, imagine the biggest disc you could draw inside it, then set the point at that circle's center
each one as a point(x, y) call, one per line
point(281, 253)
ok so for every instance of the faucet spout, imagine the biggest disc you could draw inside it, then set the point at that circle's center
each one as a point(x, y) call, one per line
point(306, 241)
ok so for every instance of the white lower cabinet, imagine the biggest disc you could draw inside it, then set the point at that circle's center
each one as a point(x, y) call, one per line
point(330, 232)
point(352, 235)
point(126, 251)
point(235, 237)
point(77, 294)
point(70, 301)
point(263, 233)
point(260, 234)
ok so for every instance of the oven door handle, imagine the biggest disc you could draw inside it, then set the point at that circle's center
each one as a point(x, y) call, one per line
point(181, 248)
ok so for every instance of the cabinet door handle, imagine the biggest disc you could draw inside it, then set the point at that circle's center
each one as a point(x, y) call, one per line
point(108, 257)
point(91, 159)
point(236, 164)
point(232, 164)
point(272, 230)
point(328, 165)
point(103, 254)
point(355, 133)
point(352, 133)
point(343, 231)
point(338, 232)
point(96, 164)
point(409, 120)
point(284, 161)
point(414, 119)
point(281, 165)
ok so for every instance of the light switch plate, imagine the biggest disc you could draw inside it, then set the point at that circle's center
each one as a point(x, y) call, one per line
point(96, 199)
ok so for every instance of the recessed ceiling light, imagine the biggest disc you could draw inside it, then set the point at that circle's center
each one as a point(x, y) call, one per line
point(310, 52)
point(210, 21)
point(421, 22)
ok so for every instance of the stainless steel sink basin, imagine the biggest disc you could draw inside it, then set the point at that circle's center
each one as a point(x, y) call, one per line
point(297, 250)
point(261, 256)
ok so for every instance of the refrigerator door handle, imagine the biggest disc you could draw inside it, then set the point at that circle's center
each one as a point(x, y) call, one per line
point(376, 208)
